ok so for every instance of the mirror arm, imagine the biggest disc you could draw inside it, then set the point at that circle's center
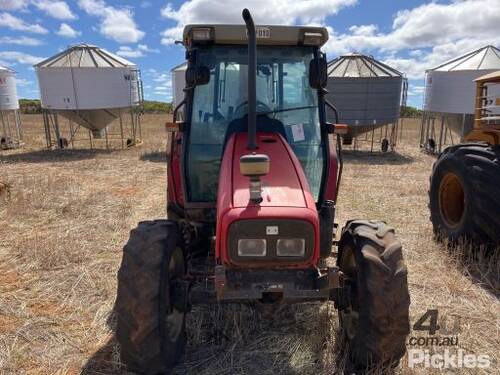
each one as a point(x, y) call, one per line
point(332, 107)
point(177, 107)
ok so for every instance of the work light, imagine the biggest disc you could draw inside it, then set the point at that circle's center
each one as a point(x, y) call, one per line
point(291, 247)
point(312, 39)
point(201, 34)
point(252, 247)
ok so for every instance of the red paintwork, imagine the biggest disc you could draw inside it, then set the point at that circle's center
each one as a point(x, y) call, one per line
point(330, 192)
point(286, 192)
point(174, 188)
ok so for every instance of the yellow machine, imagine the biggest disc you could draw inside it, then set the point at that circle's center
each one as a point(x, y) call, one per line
point(464, 188)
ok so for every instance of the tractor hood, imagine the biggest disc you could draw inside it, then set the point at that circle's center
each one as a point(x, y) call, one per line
point(285, 195)
point(284, 186)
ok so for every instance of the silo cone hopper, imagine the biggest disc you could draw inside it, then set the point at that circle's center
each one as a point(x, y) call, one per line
point(95, 120)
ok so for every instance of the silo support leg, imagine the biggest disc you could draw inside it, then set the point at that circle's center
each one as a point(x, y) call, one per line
point(139, 125)
point(441, 131)
point(401, 126)
point(9, 131)
point(106, 135)
point(18, 126)
point(57, 130)
point(121, 128)
point(373, 136)
point(133, 126)
point(71, 133)
point(90, 140)
point(4, 129)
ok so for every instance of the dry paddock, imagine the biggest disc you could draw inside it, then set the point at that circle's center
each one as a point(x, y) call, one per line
point(67, 215)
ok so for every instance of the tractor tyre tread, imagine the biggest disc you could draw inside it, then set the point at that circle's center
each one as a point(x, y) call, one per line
point(143, 347)
point(384, 321)
point(478, 168)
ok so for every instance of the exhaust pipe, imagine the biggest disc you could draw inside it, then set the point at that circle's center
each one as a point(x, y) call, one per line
point(252, 72)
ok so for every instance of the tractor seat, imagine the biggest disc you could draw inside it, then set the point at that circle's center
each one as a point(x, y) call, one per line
point(264, 124)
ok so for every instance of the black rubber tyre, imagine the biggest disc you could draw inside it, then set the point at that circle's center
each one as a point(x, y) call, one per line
point(375, 315)
point(150, 316)
point(463, 197)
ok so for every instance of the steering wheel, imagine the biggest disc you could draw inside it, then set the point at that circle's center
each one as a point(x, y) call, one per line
point(263, 108)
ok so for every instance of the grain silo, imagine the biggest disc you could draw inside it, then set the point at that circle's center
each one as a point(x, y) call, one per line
point(449, 96)
point(368, 95)
point(91, 88)
point(10, 130)
point(178, 83)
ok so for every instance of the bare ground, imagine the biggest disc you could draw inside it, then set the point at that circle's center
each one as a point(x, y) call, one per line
point(64, 217)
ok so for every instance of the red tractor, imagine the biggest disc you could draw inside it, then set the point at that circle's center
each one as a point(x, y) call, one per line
point(253, 178)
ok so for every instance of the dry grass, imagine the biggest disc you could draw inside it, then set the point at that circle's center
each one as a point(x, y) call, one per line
point(67, 214)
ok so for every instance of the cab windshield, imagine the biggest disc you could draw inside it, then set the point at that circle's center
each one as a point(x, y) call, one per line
point(283, 94)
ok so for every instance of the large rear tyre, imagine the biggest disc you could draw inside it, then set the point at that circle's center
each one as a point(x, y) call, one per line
point(464, 199)
point(374, 314)
point(151, 299)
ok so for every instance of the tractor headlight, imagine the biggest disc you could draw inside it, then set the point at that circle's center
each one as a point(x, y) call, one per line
point(291, 247)
point(252, 247)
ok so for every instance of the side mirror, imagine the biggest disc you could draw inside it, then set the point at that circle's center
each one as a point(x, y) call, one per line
point(198, 75)
point(318, 75)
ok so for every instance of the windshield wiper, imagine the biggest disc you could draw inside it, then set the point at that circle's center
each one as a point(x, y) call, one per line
point(285, 110)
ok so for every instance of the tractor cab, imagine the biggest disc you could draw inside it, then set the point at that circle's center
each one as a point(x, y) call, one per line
point(216, 104)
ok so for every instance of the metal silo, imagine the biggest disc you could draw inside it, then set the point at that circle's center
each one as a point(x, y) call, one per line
point(449, 96)
point(178, 83)
point(90, 87)
point(10, 127)
point(368, 95)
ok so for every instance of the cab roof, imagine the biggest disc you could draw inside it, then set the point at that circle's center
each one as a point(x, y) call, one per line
point(266, 34)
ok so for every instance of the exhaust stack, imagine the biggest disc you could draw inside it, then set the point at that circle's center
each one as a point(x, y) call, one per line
point(252, 72)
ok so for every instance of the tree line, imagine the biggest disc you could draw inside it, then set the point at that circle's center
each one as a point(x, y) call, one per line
point(33, 106)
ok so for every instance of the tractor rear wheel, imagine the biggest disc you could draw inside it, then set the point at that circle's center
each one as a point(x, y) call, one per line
point(463, 195)
point(151, 301)
point(374, 312)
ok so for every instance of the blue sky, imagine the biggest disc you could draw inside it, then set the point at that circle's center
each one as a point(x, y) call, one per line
point(408, 35)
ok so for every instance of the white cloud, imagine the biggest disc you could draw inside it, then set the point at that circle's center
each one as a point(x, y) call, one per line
point(126, 51)
point(116, 24)
point(21, 40)
point(162, 82)
point(13, 4)
point(55, 9)
point(145, 48)
point(141, 50)
point(17, 24)
point(264, 12)
point(426, 26)
point(415, 90)
point(67, 31)
point(22, 82)
point(427, 35)
point(20, 57)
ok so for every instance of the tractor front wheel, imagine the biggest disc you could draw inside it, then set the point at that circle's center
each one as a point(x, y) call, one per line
point(152, 298)
point(374, 312)
point(463, 195)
